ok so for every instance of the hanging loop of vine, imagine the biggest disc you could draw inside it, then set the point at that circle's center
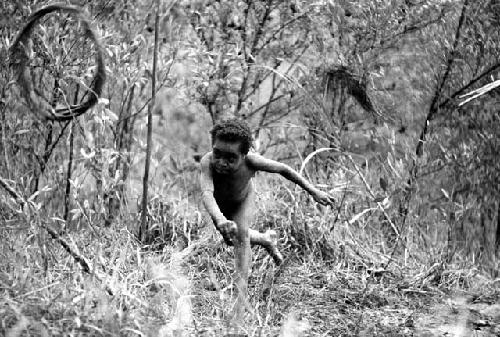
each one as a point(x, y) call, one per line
point(50, 61)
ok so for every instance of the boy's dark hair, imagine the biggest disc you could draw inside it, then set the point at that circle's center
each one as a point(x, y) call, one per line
point(233, 130)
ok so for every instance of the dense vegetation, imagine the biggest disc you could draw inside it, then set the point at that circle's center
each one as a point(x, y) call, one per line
point(392, 106)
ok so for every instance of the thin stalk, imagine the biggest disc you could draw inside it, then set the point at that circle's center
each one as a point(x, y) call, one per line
point(439, 90)
point(69, 173)
point(69, 170)
point(143, 228)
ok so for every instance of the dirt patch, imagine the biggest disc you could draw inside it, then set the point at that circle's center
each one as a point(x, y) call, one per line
point(461, 316)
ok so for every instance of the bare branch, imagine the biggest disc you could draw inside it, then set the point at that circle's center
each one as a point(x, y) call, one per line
point(434, 108)
point(73, 251)
point(144, 213)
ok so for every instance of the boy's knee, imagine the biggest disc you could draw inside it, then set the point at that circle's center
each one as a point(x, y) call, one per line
point(242, 234)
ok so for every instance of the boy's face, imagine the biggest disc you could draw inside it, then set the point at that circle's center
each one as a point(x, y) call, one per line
point(227, 157)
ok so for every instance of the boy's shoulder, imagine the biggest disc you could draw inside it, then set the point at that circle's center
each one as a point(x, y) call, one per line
point(260, 163)
point(253, 157)
point(257, 161)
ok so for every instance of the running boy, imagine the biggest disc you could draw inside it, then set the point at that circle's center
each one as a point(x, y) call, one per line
point(228, 193)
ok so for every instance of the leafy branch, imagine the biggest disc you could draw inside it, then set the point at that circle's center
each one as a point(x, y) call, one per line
point(30, 211)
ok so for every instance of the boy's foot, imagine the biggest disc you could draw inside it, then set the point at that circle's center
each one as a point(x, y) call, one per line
point(272, 246)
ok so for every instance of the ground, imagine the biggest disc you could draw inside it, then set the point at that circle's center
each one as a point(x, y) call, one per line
point(187, 292)
point(328, 300)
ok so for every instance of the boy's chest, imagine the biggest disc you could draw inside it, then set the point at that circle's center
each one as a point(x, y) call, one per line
point(233, 185)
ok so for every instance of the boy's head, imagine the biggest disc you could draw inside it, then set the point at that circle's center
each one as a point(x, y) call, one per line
point(233, 130)
point(231, 141)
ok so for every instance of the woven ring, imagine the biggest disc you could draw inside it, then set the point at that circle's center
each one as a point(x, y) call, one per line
point(18, 55)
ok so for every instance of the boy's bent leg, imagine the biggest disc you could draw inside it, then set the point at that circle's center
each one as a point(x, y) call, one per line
point(269, 241)
point(244, 212)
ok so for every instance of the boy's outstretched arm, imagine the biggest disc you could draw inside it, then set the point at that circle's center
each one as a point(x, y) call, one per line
point(268, 165)
point(207, 190)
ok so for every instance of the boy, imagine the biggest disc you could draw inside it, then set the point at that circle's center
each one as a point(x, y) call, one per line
point(228, 193)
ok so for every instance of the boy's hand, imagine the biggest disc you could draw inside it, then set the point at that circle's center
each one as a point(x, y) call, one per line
point(323, 198)
point(227, 228)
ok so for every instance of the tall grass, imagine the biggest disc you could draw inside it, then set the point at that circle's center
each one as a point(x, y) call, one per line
point(339, 263)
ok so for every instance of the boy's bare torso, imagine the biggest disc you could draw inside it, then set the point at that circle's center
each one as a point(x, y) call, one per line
point(233, 187)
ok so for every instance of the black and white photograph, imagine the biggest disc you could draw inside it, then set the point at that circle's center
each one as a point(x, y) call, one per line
point(250, 168)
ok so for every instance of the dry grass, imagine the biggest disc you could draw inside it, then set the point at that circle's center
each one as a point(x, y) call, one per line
point(343, 280)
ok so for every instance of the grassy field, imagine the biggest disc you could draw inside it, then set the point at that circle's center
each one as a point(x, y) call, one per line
point(339, 278)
